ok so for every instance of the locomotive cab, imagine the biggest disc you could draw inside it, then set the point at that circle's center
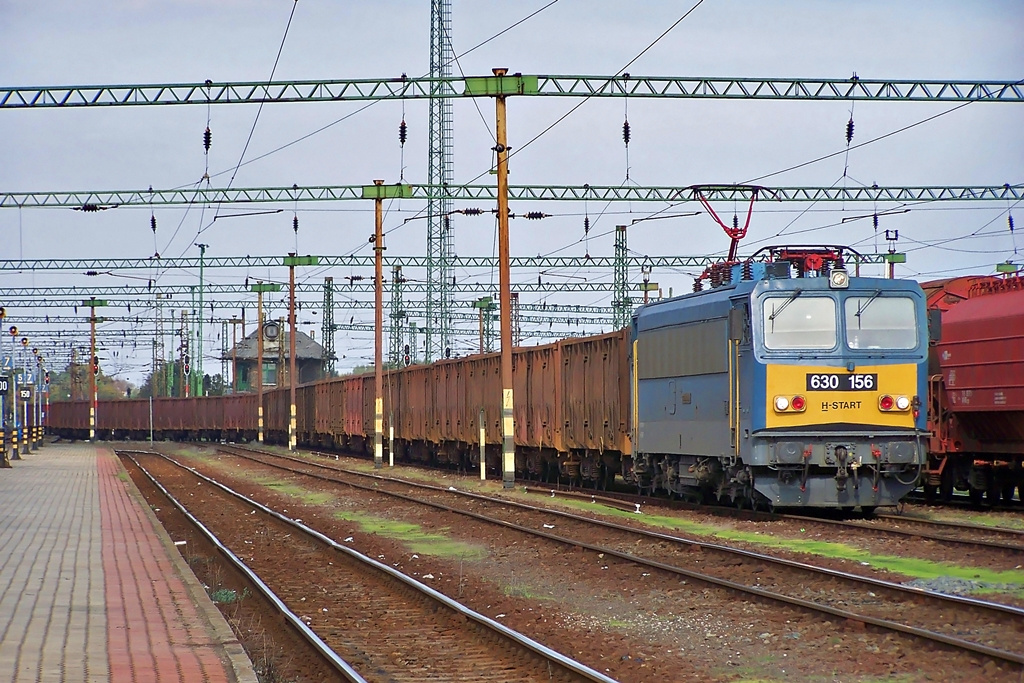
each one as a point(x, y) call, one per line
point(789, 383)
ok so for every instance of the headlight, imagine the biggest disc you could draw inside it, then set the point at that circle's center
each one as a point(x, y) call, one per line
point(839, 279)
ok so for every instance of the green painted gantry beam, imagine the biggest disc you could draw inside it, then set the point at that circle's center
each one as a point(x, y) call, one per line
point(99, 200)
point(178, 296)
point(104, 266)
point(404, 88)
point(415, 308)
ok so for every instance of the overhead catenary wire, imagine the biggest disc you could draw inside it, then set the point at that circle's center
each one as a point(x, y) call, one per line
point(252, 129)
point(366, 106)
point(584, 100)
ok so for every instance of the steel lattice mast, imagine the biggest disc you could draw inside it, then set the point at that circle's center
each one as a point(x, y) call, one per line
point(327, 328)
point(440, 172)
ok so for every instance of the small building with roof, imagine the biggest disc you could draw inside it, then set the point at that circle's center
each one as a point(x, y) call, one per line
point(309, 359)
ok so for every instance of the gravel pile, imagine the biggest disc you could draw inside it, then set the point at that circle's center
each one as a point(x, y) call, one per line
point(952, 585)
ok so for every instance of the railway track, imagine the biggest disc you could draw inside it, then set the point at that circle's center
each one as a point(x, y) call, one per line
point(948, 533)
point(957, 532)
point(978, 627)
point(374, 619)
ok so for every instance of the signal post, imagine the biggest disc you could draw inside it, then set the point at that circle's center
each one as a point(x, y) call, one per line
point(259, 288)
point(291, 261)
point(379, 192)
point(92, 303)
point(500, 86)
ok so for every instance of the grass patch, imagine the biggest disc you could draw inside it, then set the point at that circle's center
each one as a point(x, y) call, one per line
point(293, 490)
point(413, 536)
point(909, 566)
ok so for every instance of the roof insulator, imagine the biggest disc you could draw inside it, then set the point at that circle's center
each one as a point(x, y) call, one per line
point(625, 132)
point(403, 133)
point(207, 139)
point(849, 131)
point(735, 222)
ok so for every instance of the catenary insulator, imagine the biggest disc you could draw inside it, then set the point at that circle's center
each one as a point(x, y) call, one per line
point(586, 224)
point(152, 223)
point(472, 212)
point(849, 130)
point(1009, 221)
point(403, 132)
point(625, 132)
point(874, 219)
point(207, 139)
point(534, 215)
point(295, 224)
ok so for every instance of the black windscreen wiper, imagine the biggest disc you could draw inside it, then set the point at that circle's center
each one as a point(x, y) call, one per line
point(863, 307)
point(796, 292)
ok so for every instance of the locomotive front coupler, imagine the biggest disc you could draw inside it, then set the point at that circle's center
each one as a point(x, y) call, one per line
point(842, 474)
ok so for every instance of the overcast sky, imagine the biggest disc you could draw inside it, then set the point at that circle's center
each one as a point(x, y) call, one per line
point(674, 142)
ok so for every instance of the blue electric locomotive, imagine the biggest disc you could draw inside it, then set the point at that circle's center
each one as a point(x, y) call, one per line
point(789, 383)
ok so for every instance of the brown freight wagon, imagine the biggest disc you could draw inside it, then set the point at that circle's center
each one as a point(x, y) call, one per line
point(571, 411)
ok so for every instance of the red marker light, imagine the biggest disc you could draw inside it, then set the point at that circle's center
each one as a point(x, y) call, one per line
point(886, 402)
point(798, 403)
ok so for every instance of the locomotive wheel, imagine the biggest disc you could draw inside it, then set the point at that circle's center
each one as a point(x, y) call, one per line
point(975, 496)
point(946, 486)
point(868, 510)
point(1008, 493)
point(993, 494)
point(929, 493)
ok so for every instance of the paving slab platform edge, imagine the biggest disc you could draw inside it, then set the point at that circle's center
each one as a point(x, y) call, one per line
point(218, 625)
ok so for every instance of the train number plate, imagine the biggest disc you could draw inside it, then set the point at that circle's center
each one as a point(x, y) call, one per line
point(833, 381)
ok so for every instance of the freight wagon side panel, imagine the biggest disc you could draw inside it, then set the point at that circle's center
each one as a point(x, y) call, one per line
point(536, 397)
point(982, 359)
point(352, 396)
point(595, 377)
point(369, 383)
point(484, 391)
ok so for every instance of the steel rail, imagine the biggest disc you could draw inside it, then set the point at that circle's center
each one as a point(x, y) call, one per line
point(293, 620)
point(1017, 534)
point(995, 653)
point(489, 624)
point(627, 501)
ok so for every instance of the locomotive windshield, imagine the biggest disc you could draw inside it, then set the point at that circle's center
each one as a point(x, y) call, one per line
point(799, 322)
point(880, 322)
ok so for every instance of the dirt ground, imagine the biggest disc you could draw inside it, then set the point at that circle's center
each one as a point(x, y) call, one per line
point(610, 614)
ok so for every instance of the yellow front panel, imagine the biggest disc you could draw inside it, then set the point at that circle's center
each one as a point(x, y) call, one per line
point(854, 407)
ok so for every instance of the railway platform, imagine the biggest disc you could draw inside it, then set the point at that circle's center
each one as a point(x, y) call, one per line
point(91, 586)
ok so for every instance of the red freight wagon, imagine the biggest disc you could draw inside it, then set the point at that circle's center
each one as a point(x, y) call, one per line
point(977, 389)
